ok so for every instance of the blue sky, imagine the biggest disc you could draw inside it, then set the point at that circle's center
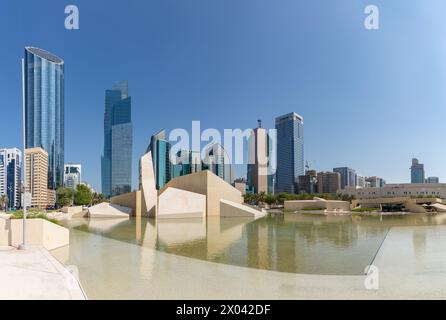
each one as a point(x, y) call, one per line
point(371, 99)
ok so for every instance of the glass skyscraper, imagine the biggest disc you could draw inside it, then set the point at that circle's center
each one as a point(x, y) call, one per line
point(417, 171)
point(290, 152)
point(44, 109)
point(10, 176)
point(116, 162)
point(162, 165)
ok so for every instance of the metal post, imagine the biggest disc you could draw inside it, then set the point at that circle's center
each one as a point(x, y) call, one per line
point(23, 245)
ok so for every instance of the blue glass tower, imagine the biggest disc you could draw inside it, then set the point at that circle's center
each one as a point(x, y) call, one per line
point(116, 162)
point(162, 165)
point(44, 109)
point(417, 172)
point(290, 152)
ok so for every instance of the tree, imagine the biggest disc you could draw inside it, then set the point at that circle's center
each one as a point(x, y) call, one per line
point(83, 195)
point(3, 201)
point(98, 198)
point(270, 199)
point(64, 197)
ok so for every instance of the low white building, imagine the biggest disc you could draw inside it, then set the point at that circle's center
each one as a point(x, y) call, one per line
point(399, 190)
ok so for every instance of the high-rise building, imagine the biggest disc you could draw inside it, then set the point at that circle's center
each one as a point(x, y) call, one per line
point(72, 175)
point(417, 171)
point(187, 162)
point(36, 176)
point(361, 181)
point(116, 161)
point(162, 166)
point(308, 182)
point(10, 176)
point(348, 177)
point(44, 109)
point(328, 182)
point(433, 180)
point(375, 182)
point(217, 161)
point(290, 152)
point(259, 172)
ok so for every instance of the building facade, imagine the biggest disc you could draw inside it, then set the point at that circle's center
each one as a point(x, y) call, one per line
point(328, 182)
point(400, 190)
point(217, 161)
point(290, 152)
point(375, 182)
point(44, 109)
point(116, 162)
point(308, 182)
point(433, 180)
point(417, 172)
point(348, 176)
point(10, 176)
point(259, 171)
point(36, 176)
point(162, 166)
point(72, 175)
point(187, 162)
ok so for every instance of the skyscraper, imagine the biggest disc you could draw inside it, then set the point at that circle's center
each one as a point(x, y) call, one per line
point(44, 109)
point(417, 171)
point(116, 161)
point(348, 177)
point(162, 166)
point(10, 173)
point(259, 174)
point(290, 152)
point(72, 175)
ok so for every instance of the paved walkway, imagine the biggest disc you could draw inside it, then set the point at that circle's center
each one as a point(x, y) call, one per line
point(35, 274)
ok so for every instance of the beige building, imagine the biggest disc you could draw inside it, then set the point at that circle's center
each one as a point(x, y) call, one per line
point(36, 176)
point(258, 160)
point(328, 182)
point(410, 190)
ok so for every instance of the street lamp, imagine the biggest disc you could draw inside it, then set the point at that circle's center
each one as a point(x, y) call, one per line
point(23, 245)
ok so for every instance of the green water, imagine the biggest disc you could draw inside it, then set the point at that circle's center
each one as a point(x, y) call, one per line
point(296, 243)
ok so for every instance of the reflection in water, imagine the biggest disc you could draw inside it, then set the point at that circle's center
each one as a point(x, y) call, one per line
point(296, 243)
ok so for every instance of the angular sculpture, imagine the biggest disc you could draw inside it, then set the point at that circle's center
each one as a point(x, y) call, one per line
point(148, 188)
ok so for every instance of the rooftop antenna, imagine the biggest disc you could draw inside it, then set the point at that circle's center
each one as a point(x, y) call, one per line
point(259, 123)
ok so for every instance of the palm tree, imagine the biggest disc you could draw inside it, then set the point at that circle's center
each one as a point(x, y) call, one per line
point(3, 201)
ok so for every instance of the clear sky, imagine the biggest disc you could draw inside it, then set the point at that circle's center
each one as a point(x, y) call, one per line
point(371, 99)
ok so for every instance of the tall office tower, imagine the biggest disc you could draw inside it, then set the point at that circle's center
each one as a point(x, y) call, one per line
point(416, 171)
point(44, 109)
point(116, 161)
point(162, 166)
point(217, 160)
point(328, 182)
point(259, 171)
point(432, 180)
point(10, 176)
point(72, 175)
point(36, 176)
point(290, 152)
point(348, 177)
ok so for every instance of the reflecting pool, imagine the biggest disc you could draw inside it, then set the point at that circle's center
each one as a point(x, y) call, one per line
point(293, 243)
